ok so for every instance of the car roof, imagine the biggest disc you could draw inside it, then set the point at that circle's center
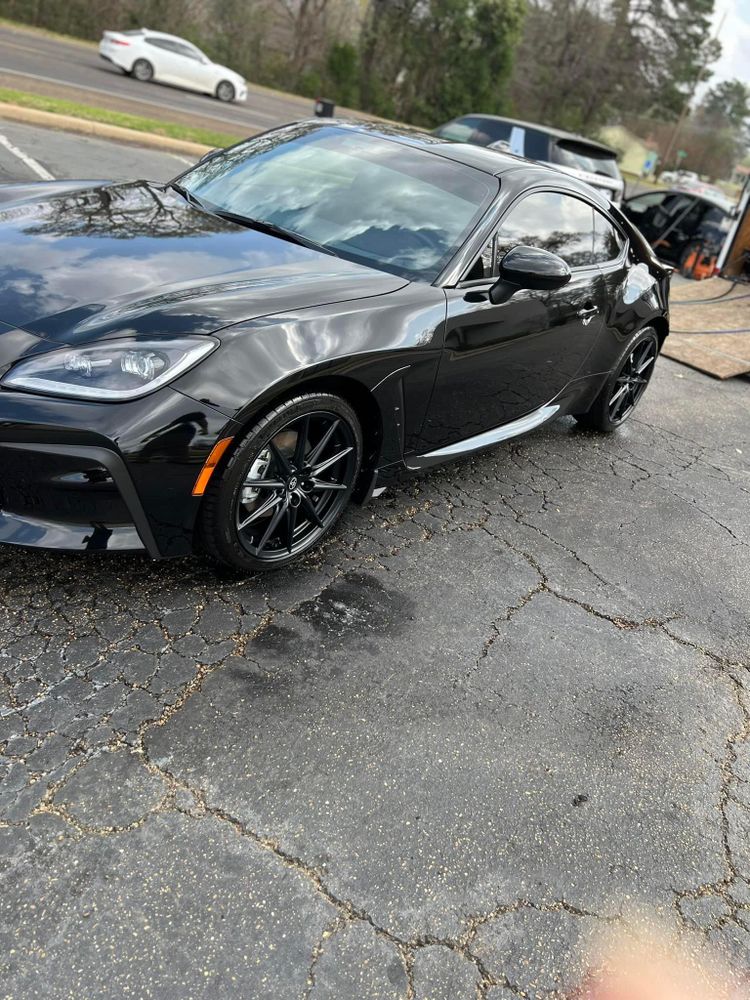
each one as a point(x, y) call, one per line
point(163, 34)
point(558, 133)
point(489, 161)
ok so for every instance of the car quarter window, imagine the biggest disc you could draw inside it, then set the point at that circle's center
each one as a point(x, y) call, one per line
point(546, 219)
point(608, 241)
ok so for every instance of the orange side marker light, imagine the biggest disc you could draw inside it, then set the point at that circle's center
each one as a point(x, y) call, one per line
point(209, 465)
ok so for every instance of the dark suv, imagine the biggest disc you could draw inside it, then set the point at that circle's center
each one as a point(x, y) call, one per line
point(585, 159)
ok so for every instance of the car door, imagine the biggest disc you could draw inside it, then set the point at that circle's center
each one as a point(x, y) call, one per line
point(501, 362)
point(195, 71)
point(160, 53)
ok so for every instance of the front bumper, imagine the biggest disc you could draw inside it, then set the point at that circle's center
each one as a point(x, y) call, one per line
point(72, 497)
point(125, 486)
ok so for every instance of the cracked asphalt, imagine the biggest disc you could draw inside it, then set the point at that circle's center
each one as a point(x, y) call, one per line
point(502, 716)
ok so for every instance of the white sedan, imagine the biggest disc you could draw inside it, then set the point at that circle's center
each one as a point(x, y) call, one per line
point(152, 55)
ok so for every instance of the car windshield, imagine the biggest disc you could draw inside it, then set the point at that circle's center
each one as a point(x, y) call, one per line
point(364, 197)
point(584, 157)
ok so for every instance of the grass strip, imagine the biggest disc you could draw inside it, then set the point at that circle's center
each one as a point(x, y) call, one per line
point(60, 106)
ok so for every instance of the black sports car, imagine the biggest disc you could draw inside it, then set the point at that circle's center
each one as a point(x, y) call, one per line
point(223, 362)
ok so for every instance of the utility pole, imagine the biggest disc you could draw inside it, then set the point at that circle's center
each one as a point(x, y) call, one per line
point(689, 100)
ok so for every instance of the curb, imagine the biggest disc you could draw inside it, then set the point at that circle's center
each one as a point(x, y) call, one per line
point(68, 123)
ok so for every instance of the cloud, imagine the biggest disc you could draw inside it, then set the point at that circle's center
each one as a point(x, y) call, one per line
point(735, 41)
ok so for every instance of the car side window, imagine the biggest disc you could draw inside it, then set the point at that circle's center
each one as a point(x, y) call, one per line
point(160, 43)
point(556, 222)
point(188, 51)
point(551, 221)
point(608, 241)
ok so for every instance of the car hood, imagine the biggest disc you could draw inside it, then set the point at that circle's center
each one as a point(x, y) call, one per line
point(136, 259)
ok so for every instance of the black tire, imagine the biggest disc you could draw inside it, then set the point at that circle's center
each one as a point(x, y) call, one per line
point(225, 91)
point(270, 503)
point(142, 70)
point(626, 385)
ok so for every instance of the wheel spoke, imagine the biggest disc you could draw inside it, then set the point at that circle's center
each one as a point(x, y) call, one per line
point(291, 524)
point(320, 484)
point(623, 388)
point(310, 510)
point(272, 526)
point(264, 484)
point(649, 361)
point(259, 512)
point(320, 446)
point(299, 451)
point(620, 403)
point(281, 462)
point(317, 469)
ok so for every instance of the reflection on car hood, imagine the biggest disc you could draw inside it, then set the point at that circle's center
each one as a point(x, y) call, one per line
point(137, 259)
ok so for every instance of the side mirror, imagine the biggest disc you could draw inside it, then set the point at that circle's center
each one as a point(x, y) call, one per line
point(529, 267)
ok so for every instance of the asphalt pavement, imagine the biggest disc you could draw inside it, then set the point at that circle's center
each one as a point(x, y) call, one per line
point(501, 718)
point(74, 70)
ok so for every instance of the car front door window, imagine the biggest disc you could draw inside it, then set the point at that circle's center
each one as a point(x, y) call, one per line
point(551, 221)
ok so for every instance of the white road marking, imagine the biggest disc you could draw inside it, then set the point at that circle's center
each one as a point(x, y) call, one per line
point(29, 161)
point(184, 159)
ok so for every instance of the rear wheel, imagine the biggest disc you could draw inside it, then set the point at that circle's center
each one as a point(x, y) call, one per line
point(225, 91)
point(285, 486)
point(624, 388)
point(143, 70)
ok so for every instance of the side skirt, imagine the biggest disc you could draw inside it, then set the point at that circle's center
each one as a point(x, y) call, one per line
point(485, 439)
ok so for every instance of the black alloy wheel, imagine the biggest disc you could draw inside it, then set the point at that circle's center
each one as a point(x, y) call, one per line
point(225, 91)
point(143, 70)
point(625, 387)
point(286, 485)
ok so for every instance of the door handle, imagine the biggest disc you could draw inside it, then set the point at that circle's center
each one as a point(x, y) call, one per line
point(588, 310)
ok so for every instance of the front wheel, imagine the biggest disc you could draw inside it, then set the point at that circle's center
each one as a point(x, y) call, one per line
point(286, 484)
point(624, 388)
point(225, 91)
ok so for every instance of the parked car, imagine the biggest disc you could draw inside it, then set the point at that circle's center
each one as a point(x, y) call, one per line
point(680, 224)
point(152, 55)
point(224, 361)
point(585, 159)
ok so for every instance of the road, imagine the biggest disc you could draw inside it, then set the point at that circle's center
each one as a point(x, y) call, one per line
point(28, 153)
point(501, 717)
point(74, 70)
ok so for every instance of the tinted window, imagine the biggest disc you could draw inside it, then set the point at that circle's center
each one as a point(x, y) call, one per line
point(608, 242)
point(474, 128)
point(187, 50)
point(584, 157)
point(366, 198)
point(551, 221)
point(161, 43)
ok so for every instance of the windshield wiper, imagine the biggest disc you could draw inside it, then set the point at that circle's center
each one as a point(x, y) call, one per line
point(191, 198)
point(271, 228)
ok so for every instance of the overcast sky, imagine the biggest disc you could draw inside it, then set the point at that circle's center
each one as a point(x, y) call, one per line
point(735, 41)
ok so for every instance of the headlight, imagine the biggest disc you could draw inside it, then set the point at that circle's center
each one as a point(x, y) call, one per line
point(109, 371)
